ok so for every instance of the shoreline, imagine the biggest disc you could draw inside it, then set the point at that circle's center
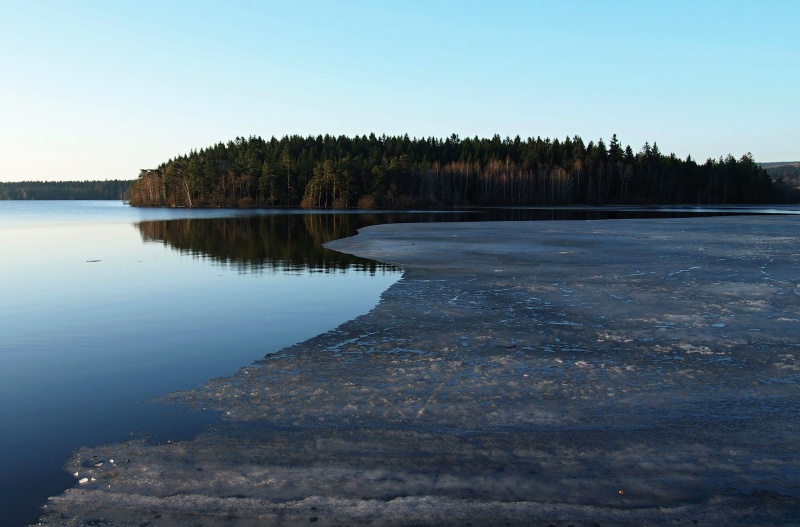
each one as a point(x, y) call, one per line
point(614, 371)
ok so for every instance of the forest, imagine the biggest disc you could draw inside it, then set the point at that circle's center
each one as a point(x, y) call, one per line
point(785, 180)
point(60, 190)
point(397, 172)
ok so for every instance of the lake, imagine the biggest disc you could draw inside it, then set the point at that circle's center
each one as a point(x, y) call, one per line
point(104, 307)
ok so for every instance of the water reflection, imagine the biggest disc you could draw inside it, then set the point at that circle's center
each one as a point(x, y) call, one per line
point(287, 242)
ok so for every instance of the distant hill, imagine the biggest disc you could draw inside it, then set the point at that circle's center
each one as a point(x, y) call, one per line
point(786, 170)
point(786, 179)
point(775, 164)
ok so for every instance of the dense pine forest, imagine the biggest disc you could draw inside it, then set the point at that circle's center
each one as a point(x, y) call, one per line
point(60, 190)
point(399, 172)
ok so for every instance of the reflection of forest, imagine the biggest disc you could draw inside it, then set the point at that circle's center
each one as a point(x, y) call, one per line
point(275, 241)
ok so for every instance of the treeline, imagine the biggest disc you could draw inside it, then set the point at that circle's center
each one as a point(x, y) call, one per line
point(61, 190)
point(399, 172)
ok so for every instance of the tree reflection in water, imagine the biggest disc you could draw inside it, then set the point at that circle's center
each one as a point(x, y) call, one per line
point(273, 242)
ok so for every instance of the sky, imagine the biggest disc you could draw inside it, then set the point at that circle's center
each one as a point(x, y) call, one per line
point(95, 90)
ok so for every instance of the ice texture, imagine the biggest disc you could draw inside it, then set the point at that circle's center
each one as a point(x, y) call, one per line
point(541, 373)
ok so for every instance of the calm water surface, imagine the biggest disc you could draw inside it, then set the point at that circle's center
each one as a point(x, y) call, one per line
point(103, 307)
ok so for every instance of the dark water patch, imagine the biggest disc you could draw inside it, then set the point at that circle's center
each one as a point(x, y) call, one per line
point(33, 459)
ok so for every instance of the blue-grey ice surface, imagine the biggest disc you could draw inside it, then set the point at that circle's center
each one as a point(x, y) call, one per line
point(635, 372)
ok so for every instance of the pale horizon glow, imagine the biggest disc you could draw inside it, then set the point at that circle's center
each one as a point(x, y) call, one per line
point(96, 90)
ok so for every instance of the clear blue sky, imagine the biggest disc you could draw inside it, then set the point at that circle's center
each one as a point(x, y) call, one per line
point(99, 89)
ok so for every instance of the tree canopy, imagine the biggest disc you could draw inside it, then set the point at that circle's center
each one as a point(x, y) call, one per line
point(400, 172)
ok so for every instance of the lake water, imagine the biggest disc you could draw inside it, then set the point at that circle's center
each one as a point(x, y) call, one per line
point(104, 307)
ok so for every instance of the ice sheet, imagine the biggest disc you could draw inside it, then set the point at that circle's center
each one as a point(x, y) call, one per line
point(611, 372)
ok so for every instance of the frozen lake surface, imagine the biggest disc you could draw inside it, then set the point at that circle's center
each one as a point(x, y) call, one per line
point(570, 373)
